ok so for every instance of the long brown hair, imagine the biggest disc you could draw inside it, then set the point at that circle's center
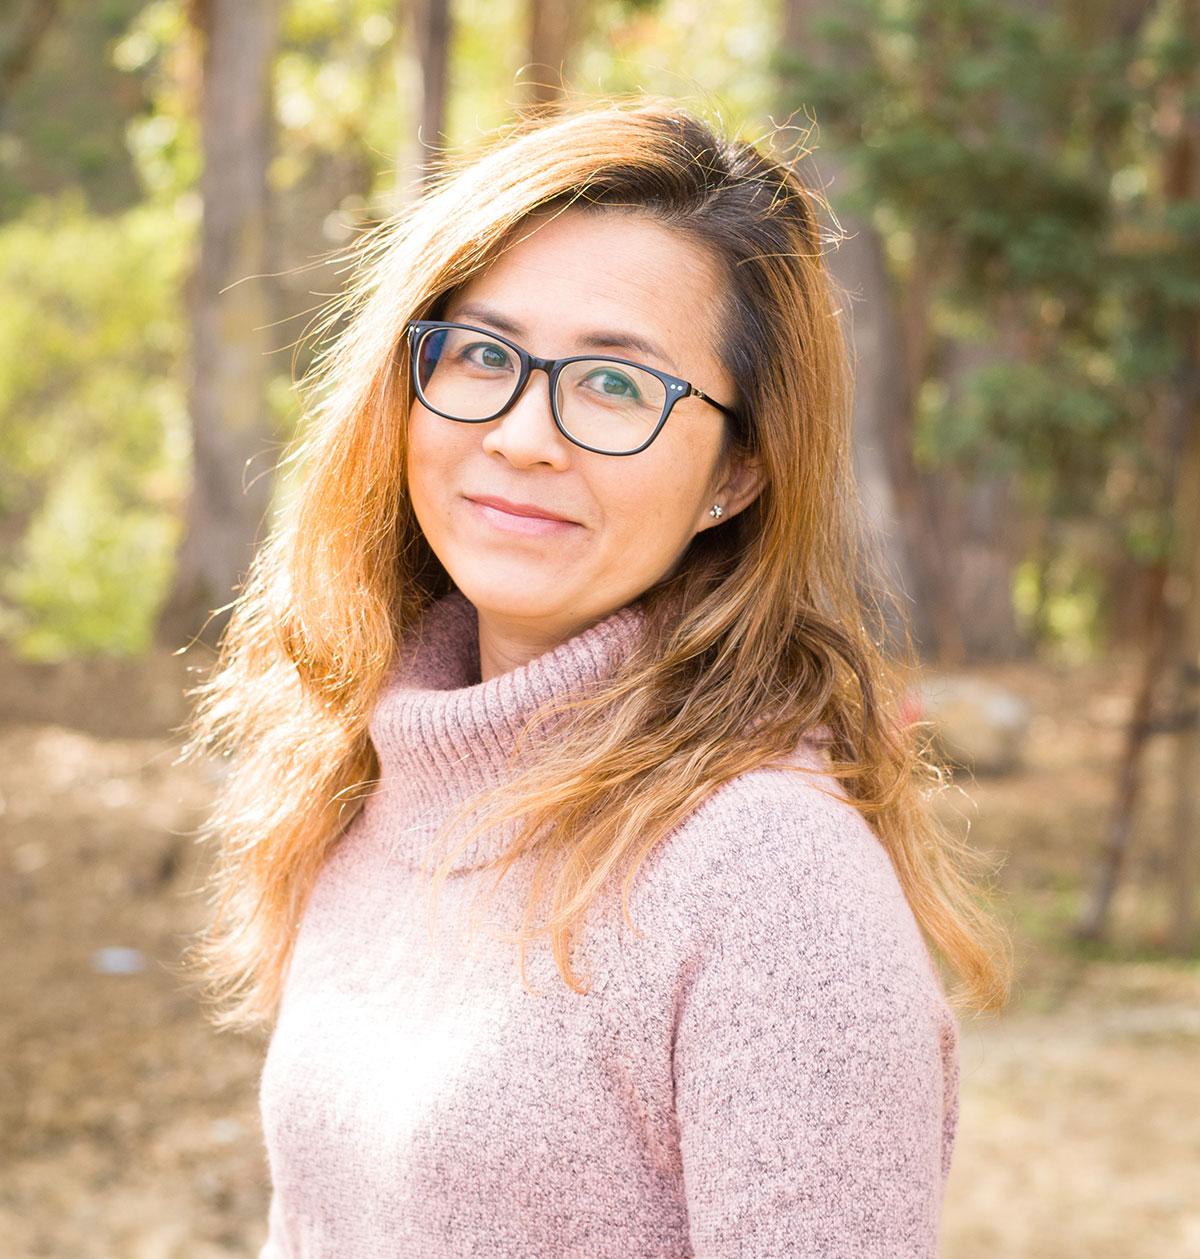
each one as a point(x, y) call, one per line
point(762, 634)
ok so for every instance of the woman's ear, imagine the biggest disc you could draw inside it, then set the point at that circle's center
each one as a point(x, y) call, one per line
point(737, 489)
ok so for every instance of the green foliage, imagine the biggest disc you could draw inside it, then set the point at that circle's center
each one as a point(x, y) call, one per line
point(714, 57)
point(164, 139)
point(1023, 417)
point(487, 55)
point(338, 106)
point(1060, 600)
point(64, 127)
point(1015, 159)
point(94, 446)
point(94, 568)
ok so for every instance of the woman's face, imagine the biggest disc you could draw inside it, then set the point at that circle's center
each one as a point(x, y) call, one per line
point(543, 537)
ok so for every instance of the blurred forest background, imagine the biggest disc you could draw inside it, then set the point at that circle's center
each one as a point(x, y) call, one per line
point(1016, 184)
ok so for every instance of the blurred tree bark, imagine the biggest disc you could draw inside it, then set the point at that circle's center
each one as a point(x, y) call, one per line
point(1186, 818)
point(230, 311)
point(18, 48)
point(1181, 184)
point(425, 72)
point(1171, 636)
point(555, 27)
point(890, 351)
point(978, 522)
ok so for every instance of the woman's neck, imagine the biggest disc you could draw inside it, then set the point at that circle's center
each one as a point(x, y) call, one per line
point(505, 645)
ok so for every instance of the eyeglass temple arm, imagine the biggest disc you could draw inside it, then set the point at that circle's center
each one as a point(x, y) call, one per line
point(712, 402)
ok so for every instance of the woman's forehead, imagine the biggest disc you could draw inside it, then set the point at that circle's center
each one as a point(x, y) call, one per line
point(600, 280)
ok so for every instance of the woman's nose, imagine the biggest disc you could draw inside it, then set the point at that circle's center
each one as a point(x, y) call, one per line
point(526, 433)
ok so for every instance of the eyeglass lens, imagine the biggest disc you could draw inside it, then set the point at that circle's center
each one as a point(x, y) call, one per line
point(607, 405)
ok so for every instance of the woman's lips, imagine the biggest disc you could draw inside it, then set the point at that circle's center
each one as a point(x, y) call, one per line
point(524, 519)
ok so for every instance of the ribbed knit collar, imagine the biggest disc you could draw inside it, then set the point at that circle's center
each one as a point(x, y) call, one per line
point(442, 736)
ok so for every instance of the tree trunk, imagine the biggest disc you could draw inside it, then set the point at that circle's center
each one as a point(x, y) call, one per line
point(1181, 185)
point(230, 311)
point(1186, 819)
point(1093, 924)
point(881, 397)
point(979, 520)
point(425, 79)
point(554, 27)
point(1185, 404)
point(20, 45)
point(897, 500)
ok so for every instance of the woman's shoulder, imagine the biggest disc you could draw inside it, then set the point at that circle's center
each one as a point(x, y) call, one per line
point(792, 818)
point(781, 858)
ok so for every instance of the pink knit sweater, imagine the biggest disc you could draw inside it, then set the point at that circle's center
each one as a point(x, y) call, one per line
point(768, 1070)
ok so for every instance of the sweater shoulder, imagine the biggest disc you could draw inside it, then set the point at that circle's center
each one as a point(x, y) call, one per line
point(780, 861)
point(776, 827)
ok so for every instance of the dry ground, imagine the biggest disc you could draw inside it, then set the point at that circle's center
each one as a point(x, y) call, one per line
point(128, 1128)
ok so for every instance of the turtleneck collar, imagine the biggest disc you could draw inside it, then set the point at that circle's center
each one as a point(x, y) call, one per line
point(442, 736)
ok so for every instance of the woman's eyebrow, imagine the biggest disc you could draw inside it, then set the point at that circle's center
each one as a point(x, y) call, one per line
point(628, 341)
point(485, 314)
point(599, 339)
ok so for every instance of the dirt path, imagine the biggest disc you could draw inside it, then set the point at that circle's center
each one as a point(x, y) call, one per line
point(128, 1129)
point(1080, 1130)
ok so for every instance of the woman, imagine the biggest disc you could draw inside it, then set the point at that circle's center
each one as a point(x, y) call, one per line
point(571, 831)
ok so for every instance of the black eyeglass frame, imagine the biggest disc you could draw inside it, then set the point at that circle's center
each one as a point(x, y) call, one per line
point(676, 387)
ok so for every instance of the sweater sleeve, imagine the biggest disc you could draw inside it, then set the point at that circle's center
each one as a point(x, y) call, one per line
point(814, 1056)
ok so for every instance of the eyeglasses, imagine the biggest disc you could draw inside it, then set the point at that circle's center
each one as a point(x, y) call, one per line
point(607, 405)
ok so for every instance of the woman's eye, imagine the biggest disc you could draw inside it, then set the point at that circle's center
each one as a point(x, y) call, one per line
point(487, 354)
point(612, 384)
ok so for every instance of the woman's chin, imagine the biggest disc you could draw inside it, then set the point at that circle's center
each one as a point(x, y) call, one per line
point(520, 603)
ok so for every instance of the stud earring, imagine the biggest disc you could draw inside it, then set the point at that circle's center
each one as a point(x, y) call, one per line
point(716, 511)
